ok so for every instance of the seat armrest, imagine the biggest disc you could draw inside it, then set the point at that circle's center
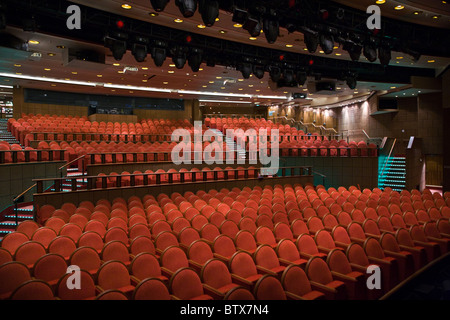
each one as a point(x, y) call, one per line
point(216, 294)
point(291, 296)
point(342, 277)
point(357, 267)
point(262, 270)
point(221, 257)
point(323, 249)
point(242, 281)
point(341, 244)
point(195, 265)
point(166, 272)
point(134, 281)
point(98, 290)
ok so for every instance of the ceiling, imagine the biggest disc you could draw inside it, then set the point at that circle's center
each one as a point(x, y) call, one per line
point(57, 69)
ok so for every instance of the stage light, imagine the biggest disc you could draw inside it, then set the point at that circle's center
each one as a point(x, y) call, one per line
point(187, 7)
point(118, 49)
point(159, 5)
point(311, 39)
point(370, 52)
point(351, 80)
point(353, 49)
point(179, 57)
point(275, 73)
point(195, 59)
point(384, 54)
point(139, 52)
point(258, 71)
point(271, 29)
point(239, 16)
point(253, 27)
point(246, 69)
point(159, 53)
point(288, 75)
point(326, 43)
point(209, 9)
point(301, 77)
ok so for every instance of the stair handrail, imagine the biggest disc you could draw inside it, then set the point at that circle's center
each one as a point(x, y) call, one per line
point(69, 163)
point(16, 199)
point(387, 159)
point(322, 175)
point(321, 127)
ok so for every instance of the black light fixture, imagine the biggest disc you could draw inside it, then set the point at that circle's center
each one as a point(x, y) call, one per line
point(258, 70)
point(179, 57)
point(326, 43)
point(187, 7)
point(209, 9)
point(350, 79)
point(159, 5)
point(370, 50)
point(271, 29)
point(253, 26)
point(159, 52)
point(301, 77)
point(288, 75)
point(353, 49)
point(239, 16)
point(140, 49)
point(246, 69)
point(311, 39)
point(275, 73)
point(195, 59)
point(384, 54)
point(118, 49)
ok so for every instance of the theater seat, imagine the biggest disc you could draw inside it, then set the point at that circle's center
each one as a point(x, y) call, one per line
point(322, 280)
point(185, 284)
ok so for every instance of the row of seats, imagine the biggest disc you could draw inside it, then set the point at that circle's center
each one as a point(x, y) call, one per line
point(126, 177)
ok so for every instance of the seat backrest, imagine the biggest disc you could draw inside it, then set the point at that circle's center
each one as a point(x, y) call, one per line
point(294, 280)
point(269, 288)
point(305, 243)
point(113, 275)
point(317, 270)
point(323, 239)
point(151, 289)
point(340, 234)
point(373, 248)
point(239, 293)
point(242, 264)
point(27, 227)
point(44, 236)
point(145, 265)
point(287, 250)
point(33, 290)
point(356, 231)
point(50, 267)
point(200, 252)
point(264, 235)
point(87, 286)
point(166, 239)
point(215, 274)
point(29, 252)
point(13, 240)
point(174, 258)
point(86, 258)
point(266, 257)
point(9, 283)
point(356, 254)
point(337, 261)
point(283, 231)
point(115, 250)
point(142, 244)
point(186, 284)
point(417, 233)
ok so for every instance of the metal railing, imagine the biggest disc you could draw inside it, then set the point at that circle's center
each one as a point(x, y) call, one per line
point(164, 178)
point(18, 199)
point(27, 155)
point(388, 157)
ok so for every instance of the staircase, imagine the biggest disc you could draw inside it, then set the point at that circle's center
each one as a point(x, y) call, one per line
point(5, 135)
point(67, 184)
point(394, 173)
point(8, 224)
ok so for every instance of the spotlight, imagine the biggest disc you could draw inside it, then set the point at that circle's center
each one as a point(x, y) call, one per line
point(353, 49)
point(159, 53)
point(179, 57)
point(159, 5)
point(118, 49)
point(311, 40)
point(253, 27)
point(288, 75)
point(275, 73)
point(326, 43)
point(239, 16)
point(258, 71)
point(301, 77)
point(351, 80)
point(370, 50)
point(384, 54)
point(209, 9)
point(246, 69)
point(271, 29)
point(416, 55)
point(195, 59)
point(187, 7)
point(139, 52)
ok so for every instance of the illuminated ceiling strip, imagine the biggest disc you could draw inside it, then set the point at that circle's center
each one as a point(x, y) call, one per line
point(150, 89)
point(8, 87)
point(54, 80)
point(225, 101)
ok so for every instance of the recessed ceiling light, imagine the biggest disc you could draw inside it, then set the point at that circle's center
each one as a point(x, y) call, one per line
point(321, 51)
point(211, 82)
point(399, 7)
point(289, 45)
point(335, 47)
point(305, 49)
point(222, 88)
point(435, 17)
point(74, 72)
point(126, 6)
point(201, 26)
point(170, 71)
point(250, 85)
point(305, 89)
point(240, 80)
point(204, 86)
point(113, 90)
point(393, 87)
point(399, 58)
point(338, 88)
point(17, 65)
point(51, 54)
point(218, 77)
point(116, 64)
point(237, 25)
point(144, 68)
point(257, 90)
point(19, 73)
point(252, 38)
point(217, 19)
point(338, 54)
point(178, 20)
point(61, 47)
point(380, 1)
point(120, 71)
point(172, 65)
point(153, 14)
point(431, 61)
point(222, 31)
point(165, 82)
point(47, 69)
point(240, 89)
point(99, 75)
point(33, 42)
point(53, 85)
point(417, 12)
point(201, 69)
